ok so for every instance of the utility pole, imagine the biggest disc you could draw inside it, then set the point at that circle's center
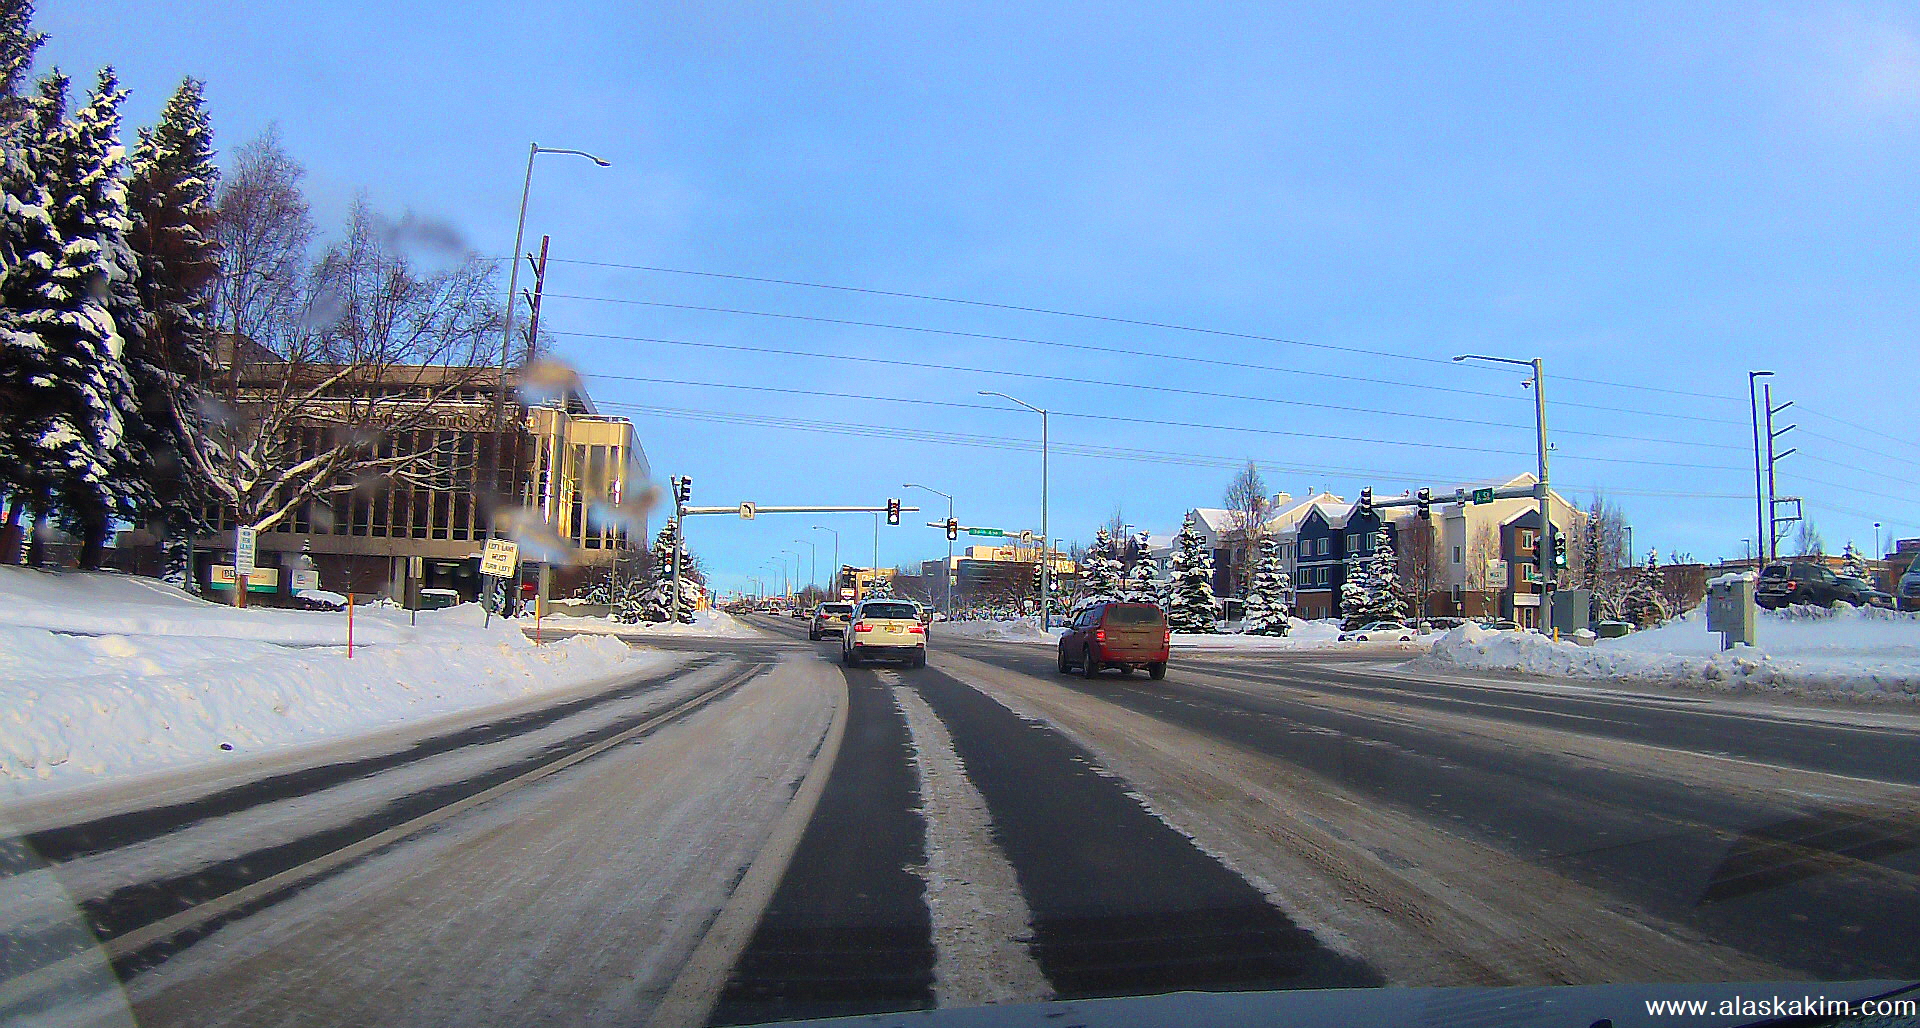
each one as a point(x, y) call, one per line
point(1759, 488)
point(1773, 498)
point(873, 573)
point(1542, 552)
point(1046, 540)
point(682, 492)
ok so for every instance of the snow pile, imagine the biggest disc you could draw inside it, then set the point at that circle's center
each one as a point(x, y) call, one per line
point(1301, 635)
point(1801, 650)
point(1012, 630)
point(711, 624)
point(104, 674)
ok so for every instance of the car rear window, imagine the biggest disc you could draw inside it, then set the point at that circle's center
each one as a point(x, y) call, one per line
point(837, 608)
point(1133, 614)
point(1774, 571)
point(890, 610)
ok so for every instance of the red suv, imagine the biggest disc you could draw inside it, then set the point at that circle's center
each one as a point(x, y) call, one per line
point(1122, 635)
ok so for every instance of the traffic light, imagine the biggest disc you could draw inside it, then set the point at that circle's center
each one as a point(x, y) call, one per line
point(1366, 501)
point(893, 512)
point(953, 529)
point(1559, 551)
point(1036, 577)
point(683, 489)
point(1425, 499)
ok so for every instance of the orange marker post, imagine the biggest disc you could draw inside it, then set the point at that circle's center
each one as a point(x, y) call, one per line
point(349, 626)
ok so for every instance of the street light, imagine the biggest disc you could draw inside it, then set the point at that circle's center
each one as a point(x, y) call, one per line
point(836, 558)
point(946, 570)
point(1541, 551)
point(513, 275)
point(795, 554)
point(1046, 541)
point(813, 562)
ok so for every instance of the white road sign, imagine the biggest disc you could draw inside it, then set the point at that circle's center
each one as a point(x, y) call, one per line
point(1026, 538)
point(501, 559)
point(246, 543)
point(747, 511)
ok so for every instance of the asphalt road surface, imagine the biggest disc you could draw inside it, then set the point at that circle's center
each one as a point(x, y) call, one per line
point(761, 834)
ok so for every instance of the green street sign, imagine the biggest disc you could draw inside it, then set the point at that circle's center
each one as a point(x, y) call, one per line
point(985, 531)
point(1483, 496)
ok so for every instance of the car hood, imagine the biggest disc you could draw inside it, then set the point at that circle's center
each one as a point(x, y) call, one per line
point(1519, 1007)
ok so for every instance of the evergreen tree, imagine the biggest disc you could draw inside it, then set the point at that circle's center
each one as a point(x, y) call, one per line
point(1100, 570)
point(1190, 608)
point(1266, 594)
point(68, 433)
point(29, 253)
point(1642, 605)
point(1141, 585)
point(1853, 563)
point(657, 604)
point(1372, 591)
point(171, 196)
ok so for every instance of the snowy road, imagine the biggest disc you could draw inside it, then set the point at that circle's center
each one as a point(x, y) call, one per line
point(762, 834)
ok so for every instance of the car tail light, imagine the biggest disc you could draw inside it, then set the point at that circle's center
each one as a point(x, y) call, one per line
point(1099, 635)
point(862, 626)
point(917, 628)
point(1166, 638)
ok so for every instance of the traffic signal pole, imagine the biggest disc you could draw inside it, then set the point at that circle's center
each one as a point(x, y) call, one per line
point(1542, 559)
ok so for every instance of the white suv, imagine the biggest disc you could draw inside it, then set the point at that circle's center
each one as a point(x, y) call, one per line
point(885, 630)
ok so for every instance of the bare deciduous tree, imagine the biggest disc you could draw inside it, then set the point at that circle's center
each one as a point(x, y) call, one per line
point(265, 232)
point(375, 377)
point(1248, 510)
point(1419, 559)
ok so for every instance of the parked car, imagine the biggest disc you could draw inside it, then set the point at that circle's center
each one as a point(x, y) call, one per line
point(830, 617)
point(1789, 583)
point(884, 630)
point(1500, 625)
point(1861, 593)
point(1909, 587)
point(1117, 634)
point(1440, 624)
point(1372, 630)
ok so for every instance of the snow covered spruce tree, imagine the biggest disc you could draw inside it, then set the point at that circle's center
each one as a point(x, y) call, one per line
point(29, 253)
point(1372, 591)
point(1266, 594)
point(1100, 571)
point(170, 193)
point(657, 604)
point(1642, 605)
point(69, 428)
point(1854, 564)
point(1142, 586)
point(1190, 609)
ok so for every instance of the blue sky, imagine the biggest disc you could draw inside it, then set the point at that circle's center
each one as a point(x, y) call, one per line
point(1651, 194)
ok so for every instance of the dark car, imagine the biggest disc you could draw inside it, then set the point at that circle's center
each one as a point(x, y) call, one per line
point(1795, 583)
point(1122, 635)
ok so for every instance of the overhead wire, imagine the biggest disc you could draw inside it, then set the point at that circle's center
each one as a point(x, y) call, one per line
point(1236, 365)
point(1084, 381)
point(1111, 319)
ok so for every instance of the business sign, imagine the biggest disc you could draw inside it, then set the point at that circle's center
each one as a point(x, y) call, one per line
point(501, 559)
point(304, 580)
point(1497, 572)
point(246, 544)
point(259, 580)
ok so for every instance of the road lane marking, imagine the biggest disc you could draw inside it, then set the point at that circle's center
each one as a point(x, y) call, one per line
point(981, 924)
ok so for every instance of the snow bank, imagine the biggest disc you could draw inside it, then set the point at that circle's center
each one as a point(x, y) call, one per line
point(1301, 635)
point(1846, 651)
point(104, 675)
point(711, 624)
point(1015, 630)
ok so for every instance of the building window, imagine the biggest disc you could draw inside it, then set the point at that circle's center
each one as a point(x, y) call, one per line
point(1527, 540)
point(1529, 573)
point(1456, 555)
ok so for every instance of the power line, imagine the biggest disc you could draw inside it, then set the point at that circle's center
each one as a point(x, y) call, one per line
point(1127, 352)
point(1860, 428)
point(1810, 433)
point(946, 438)
point(1036, 376)
point(1169, 326)
point(1158, 422)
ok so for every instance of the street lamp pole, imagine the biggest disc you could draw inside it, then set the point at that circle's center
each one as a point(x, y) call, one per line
point(813, 562)
point(1542, 556)
point(836, 558)
point(946, 570)
point(1046, 541)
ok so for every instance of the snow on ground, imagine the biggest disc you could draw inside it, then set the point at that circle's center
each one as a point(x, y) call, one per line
point(1847, 651)
point(709, 624)
point(105, 675)
point(1301, 635)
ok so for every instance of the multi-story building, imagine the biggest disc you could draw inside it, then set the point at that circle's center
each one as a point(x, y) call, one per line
point(1485, 564)
point(568, 469)
point(995, 574)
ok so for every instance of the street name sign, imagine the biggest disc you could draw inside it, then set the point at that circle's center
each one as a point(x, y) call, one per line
point(1483, 496)
point(993, 532)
